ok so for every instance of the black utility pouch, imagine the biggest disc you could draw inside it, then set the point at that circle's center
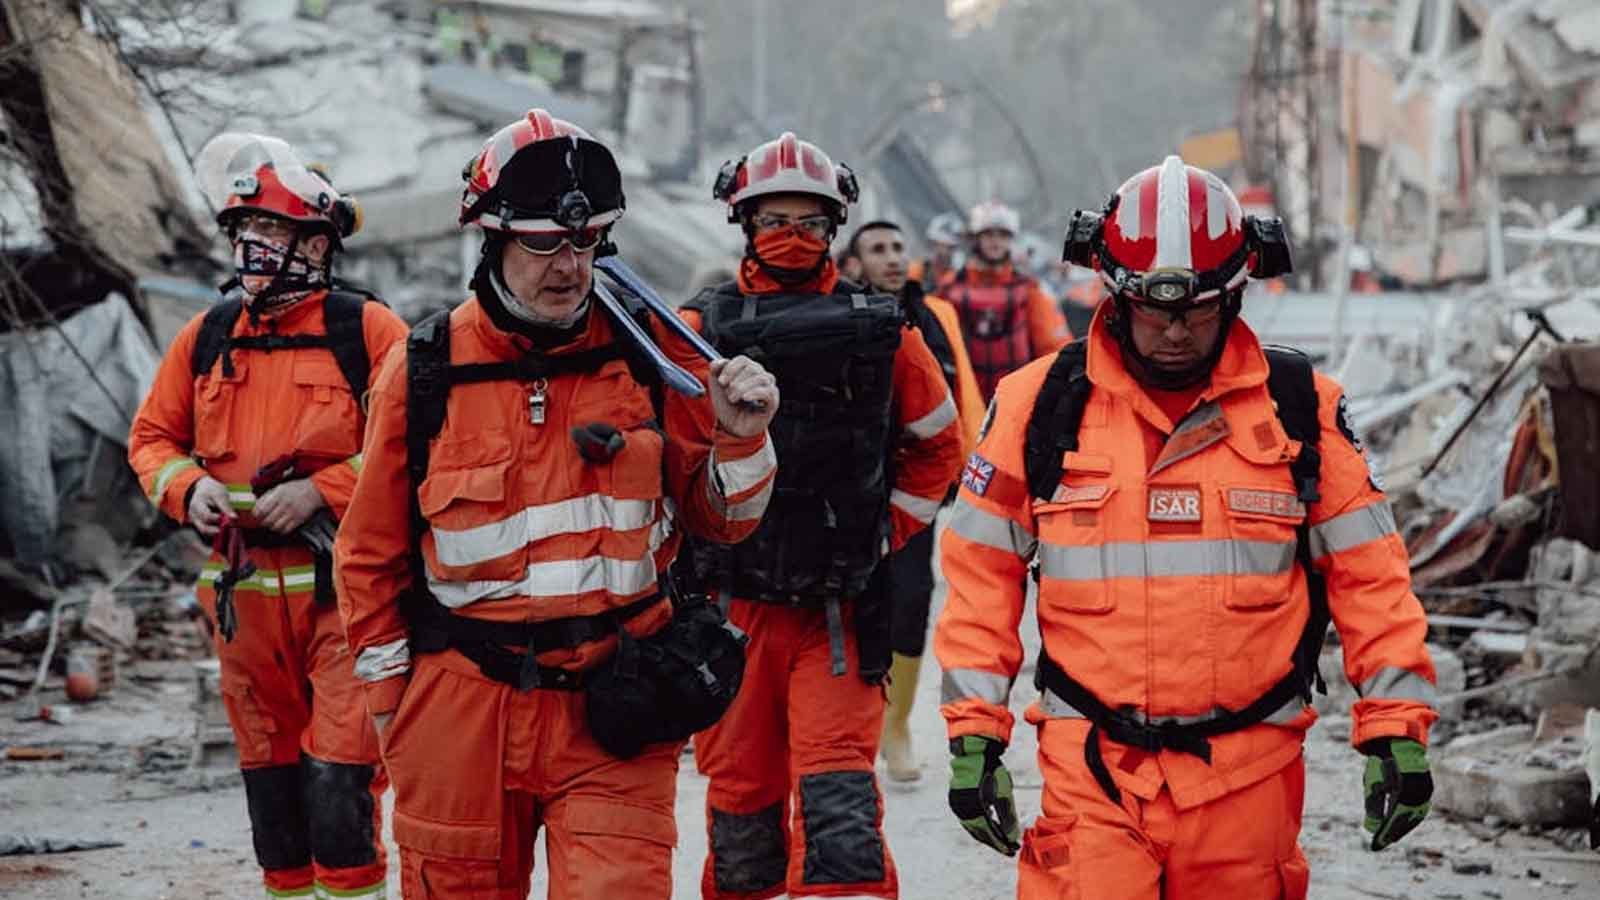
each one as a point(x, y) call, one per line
point(670, 685)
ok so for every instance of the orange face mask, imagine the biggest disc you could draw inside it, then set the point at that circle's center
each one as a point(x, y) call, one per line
point(793, 249)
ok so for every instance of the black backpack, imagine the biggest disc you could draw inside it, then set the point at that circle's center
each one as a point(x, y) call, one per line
point(345, 338)
point(1052, 431)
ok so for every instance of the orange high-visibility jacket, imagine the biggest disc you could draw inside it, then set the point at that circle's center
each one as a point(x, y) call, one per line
point(1168, 581)
point(521, 527)
point(927, 446)
point(278, 402)
point(969, 400)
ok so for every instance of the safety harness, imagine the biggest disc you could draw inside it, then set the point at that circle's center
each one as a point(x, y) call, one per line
point(1052, 432)
point(434, 627)
point(995, 327)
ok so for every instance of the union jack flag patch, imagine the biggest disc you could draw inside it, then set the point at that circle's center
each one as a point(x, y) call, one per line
point(977, 475)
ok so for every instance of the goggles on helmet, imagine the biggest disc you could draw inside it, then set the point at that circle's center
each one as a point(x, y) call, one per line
point(547, 243)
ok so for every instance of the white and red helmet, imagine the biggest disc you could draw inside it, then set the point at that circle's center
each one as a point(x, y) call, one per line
point(992, 215)
point(1175, 234)
point(541, 174)
point(787, 165)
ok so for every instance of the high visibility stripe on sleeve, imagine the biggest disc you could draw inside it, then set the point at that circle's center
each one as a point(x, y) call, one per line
point(920, 508)
point(576, 515)
point(1352, 529)
point(1156, 559)
point(936, 421)
point(754, 508)
point(983, 527)
point(974, 684)
point(382, 661)
point(736, 476)
point(1393, 683)
point(166, 473)
point(356, 462)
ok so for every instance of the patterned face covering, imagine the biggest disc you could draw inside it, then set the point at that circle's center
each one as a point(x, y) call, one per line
point(272, 271)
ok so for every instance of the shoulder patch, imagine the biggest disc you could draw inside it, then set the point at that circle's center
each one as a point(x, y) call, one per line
point(977, 475)
point(1347, 428)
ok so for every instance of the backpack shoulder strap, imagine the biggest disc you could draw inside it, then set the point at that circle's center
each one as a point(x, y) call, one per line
point(342, 317)
point(1293, 386)
point(427, 389)
point(212, 339)
point(1053, 423)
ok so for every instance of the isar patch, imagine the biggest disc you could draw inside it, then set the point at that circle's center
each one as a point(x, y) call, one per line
point(1174, 504)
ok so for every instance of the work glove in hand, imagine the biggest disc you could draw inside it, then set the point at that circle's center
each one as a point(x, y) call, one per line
point(981, 793)
point(1398, 788)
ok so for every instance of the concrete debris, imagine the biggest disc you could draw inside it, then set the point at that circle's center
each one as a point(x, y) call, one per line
point(1496, 773)
point(29, 845)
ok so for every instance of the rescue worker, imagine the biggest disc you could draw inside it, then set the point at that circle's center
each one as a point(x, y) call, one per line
point(1007, 316)
point(527, 485)
point(869, 439)
point(1197, 509)
point(876, 256)
point(943, 236)
point(270, 381)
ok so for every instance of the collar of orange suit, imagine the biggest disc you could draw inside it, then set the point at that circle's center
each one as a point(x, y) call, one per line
point(1242, 364)
point(787, 248)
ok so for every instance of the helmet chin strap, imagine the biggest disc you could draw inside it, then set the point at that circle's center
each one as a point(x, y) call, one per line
point(1167, 378)
point(280, 293)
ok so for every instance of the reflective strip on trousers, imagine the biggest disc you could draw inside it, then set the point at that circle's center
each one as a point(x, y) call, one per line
point(241, 497)
point(974, 684)
point(555, 578)
point(381, 661)
point(920, 508)
point(1056, 708)
point(739, 475)
point(1352, 529)
point(293, 580)
point(378, 891)
point(1164, 559)
point(983, 527)
point(936, 421)
point(1399, 684)
point(591, 512)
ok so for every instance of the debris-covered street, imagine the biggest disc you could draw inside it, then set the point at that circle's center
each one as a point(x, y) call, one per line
point(1405, 191)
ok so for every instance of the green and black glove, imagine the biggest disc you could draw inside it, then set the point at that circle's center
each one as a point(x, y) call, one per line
point(981, 794)
point(1398, 788)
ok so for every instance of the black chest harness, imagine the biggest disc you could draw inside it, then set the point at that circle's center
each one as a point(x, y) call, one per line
point(1052, 431)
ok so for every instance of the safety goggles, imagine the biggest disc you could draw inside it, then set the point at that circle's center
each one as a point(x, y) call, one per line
point(816, 226)
point(262, 225)
point(548, 243)
point(1191, 314)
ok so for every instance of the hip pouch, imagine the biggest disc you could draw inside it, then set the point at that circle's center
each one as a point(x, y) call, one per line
point(669, 685)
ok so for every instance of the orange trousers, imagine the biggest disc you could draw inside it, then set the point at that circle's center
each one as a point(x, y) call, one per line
point(479, 767)
point(312, 773)
point(793, 806)
point(1084, 847)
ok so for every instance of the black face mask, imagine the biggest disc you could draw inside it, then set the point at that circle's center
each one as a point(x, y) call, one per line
point(1165, 378)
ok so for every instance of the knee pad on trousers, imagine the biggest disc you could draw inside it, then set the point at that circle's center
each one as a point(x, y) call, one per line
point(747, 851)
point(339, 807)
point(843, 843)
point(277, 817)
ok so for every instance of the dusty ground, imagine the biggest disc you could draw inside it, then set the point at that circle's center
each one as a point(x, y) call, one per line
point(123, 779)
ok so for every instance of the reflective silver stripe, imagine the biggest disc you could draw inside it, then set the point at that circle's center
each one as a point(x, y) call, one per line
point(1399, 684)
point(740, 475)
point(1352, 529)
point(1157, 559)
point(983, 527)
point(934, 422)
point(974, 684)
point(168, 472)
point(920, 508)
point(382, 661)
point(470, 546)
point(754, 508)
point(1056, 708)
point(554, 578)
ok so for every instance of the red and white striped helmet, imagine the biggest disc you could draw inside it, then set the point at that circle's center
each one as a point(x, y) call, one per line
point(993, 215)
point(528, 175)
point(1177, 219)
point(787, 165)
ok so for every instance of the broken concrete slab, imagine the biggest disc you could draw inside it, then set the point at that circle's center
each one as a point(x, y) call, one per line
point(1495, 773)
point(110, 622)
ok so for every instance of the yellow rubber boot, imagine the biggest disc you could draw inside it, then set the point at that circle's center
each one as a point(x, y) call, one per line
point(896, 747)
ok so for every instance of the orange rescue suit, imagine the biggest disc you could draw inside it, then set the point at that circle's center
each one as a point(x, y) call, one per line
point(1168, 584)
